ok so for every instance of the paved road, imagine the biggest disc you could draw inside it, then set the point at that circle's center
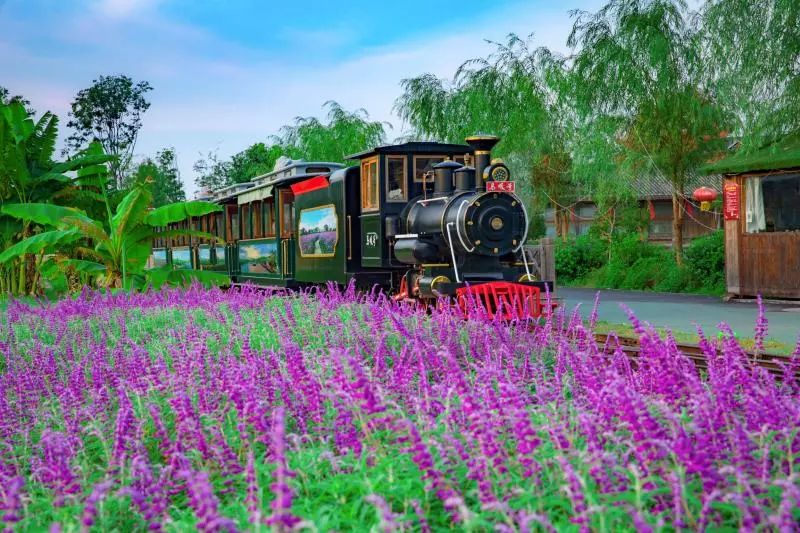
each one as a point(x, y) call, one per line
point(680, 312)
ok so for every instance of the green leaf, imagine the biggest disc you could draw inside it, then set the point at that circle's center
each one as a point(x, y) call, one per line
point(37, 243)
point(81, 265)
point(179, 211)
point(45, 214)
point(130, 211)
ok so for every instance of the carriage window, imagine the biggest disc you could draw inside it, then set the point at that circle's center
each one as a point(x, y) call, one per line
point(258, 227)
point(245, 210)
point(233, 224)
point(369, 185)
point(423, 164)
point(287, 214)
point(396, 179)
point(269, 217)
point(218, 225)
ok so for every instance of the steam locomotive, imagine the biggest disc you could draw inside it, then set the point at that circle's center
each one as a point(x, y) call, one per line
point(416, 219)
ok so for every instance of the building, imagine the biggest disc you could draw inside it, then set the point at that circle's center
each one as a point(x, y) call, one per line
point(654, 196)
point(761, 206)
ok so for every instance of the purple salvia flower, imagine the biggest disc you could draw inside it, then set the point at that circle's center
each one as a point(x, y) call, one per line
point(12, 501)
point(89, 515)
point(281, 517)
point(388, 519)
point(253, 500)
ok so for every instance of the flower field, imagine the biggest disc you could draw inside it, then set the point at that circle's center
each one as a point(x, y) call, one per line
point(244, 410)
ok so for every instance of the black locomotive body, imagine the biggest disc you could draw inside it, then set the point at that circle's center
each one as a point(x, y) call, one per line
point(422, 220)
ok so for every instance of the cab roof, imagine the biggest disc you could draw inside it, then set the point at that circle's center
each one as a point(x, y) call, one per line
point(415, 147)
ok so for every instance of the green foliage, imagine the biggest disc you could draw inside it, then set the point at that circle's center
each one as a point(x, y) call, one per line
point(751, 57)
point(639, 64)
point(632, 263)
point(110, 111)
point(705, 259)
point(122, 243)
point(345, 133)
point(575, 258)
point(168, 214)
point(164, 177)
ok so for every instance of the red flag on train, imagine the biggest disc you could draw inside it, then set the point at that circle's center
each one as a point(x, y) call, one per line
point(311, 184)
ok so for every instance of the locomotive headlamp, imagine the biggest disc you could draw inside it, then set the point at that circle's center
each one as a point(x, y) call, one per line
point(496, 172)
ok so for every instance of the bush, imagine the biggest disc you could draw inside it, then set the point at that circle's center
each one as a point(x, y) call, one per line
point(705, 260)
point(575, 258)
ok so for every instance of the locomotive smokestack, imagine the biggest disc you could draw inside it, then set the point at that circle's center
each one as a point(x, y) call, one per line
point(482, 145)
point(443, 177)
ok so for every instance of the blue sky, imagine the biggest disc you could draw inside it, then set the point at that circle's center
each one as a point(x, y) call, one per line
point(230, 73)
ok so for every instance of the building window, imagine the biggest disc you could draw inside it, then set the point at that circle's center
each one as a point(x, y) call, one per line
point(425, 164)
point(245, 210)
point(396, 179)
point(369, 184)
point(772, 203)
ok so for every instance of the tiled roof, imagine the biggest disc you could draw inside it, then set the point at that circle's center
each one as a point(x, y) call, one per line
point(657, 187)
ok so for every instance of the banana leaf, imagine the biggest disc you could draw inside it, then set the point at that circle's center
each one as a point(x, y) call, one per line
point(45, 214)
point(179, 211)
point(37, 243)
point(131, 210)
point(81, 265)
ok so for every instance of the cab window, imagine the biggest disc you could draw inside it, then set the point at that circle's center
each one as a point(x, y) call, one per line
point(424, 164)
point(396, 179)
point(369, 184)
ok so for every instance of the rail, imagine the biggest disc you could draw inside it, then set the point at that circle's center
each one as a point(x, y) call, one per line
point(772, 362)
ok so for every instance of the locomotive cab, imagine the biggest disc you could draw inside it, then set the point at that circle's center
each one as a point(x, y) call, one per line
point(390, 178)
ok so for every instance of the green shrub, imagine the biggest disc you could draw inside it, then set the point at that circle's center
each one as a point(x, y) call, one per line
point(705, 260)
point(675, 279)
point(575, 258)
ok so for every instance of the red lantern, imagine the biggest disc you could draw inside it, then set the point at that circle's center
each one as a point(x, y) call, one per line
point(705, 195)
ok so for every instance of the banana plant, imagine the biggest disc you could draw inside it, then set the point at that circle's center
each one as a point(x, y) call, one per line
point(28, 174)
point(120, 246)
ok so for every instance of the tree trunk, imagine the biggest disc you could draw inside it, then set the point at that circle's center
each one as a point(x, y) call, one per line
point(562, 222)
point(677, 226)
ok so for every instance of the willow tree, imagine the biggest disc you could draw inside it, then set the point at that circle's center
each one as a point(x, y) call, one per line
point(345, 133)
point(638, 62)
point(752, 57)
point(518, 92)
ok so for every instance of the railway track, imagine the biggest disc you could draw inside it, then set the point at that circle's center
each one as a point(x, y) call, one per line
point(630, 346)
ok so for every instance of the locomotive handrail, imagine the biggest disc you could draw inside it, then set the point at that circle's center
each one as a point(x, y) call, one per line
point(524, 235)
point(458, 230)
point(349, 237)
point(452, 250)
